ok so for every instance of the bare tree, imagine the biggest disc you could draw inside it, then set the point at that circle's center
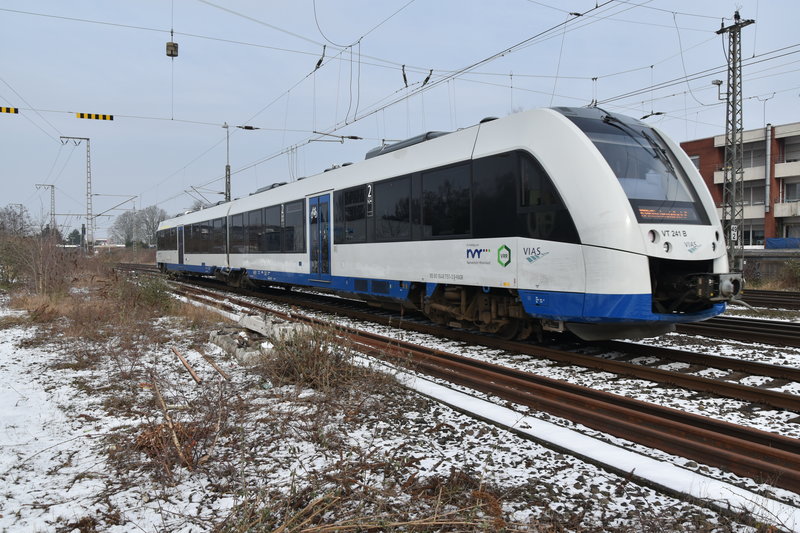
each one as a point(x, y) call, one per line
point(123, 230)
point(15, 220)
point(148, 219)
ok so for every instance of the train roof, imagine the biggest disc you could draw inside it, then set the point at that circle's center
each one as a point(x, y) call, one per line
point(433, 148)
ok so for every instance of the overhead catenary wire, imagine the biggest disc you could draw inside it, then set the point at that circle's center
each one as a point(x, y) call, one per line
point(704, 73)
point(35, 111)
point(357, 114)
point(451, 75)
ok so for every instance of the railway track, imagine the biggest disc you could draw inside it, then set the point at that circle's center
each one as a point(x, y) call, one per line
point(779, 299)
point(136, 267)
point(359, 311)
point(763, 456)
point(746, 329)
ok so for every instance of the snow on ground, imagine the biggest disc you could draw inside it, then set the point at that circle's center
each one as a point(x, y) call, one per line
point(62, 431)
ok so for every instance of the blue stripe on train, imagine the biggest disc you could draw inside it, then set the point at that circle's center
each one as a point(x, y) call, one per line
point(375, 287)
point(579, 307)
point(197, 269)
point(565, 306)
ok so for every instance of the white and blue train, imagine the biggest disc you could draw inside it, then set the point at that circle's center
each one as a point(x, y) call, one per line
point(551, 219)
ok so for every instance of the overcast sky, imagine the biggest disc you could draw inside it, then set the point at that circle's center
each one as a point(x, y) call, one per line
point(252, 63)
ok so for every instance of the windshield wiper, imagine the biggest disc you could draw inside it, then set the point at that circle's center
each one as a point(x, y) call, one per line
point(656, 149)
point(660, 152)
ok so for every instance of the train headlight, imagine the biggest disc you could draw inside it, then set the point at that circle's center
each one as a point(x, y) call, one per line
point(667, 247)
point(652, 235)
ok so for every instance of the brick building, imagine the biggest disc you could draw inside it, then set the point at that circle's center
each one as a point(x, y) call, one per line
point(771, 164)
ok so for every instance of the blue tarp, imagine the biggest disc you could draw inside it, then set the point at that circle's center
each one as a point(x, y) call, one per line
point(783, 243)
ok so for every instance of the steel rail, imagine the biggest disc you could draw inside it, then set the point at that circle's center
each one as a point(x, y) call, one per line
point(781, 299)
point(755, 368)
point(746, 329)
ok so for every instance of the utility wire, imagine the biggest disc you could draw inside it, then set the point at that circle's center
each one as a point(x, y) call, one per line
point(381, 23)
point(30, 106)
point(683, 63)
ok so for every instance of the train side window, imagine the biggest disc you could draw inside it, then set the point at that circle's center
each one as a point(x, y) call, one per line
point(446, 202)
point(188, 242)
point(205, 237)
point(542, 213)
point(272, 231)
point(294, 227)
point(237, 234)
point(494, 196)
point(193, 242)
point(350, 222)
point(255, 229)
point(218, 236)
point(392, 201)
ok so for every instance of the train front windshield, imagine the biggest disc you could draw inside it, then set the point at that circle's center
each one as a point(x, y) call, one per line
point(657, 187)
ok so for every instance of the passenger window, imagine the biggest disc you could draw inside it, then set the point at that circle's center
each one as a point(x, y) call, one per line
point(237, 234)
point(350, 223)
point(271, 238)
point(543, 214)
point(294, 227)
point(446, 202)
point(392, 209)
point(494, 195)
point(255, 230)
point(218, 236)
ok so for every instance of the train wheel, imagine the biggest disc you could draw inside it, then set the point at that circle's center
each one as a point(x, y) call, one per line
point(509, 330)
point(525, 331)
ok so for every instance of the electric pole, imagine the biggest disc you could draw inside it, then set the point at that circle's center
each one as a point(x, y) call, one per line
point(227, 163)
point(89, 244)
point(733, 184)
point(52, 204)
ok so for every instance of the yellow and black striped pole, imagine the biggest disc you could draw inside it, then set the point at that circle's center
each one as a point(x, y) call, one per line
point(14, 110)
point(94, 116)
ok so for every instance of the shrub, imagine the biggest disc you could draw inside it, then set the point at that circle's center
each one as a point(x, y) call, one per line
point(791, 274)
point(322, 359)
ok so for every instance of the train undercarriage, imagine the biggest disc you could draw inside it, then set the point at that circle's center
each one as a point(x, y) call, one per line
point(490, 310)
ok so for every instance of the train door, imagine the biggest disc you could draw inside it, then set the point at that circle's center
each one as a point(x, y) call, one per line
point(180, 245)
point(319, 216)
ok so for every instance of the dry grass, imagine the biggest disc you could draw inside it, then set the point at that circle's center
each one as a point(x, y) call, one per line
point(321, 359)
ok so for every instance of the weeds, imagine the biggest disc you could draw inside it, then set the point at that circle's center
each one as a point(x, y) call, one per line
point(322, 360)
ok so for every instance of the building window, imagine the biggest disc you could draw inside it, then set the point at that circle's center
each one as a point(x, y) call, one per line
point(753, 194)
point(753, 234)
point(792, 192)
point(753, 155)
point(695, 161)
